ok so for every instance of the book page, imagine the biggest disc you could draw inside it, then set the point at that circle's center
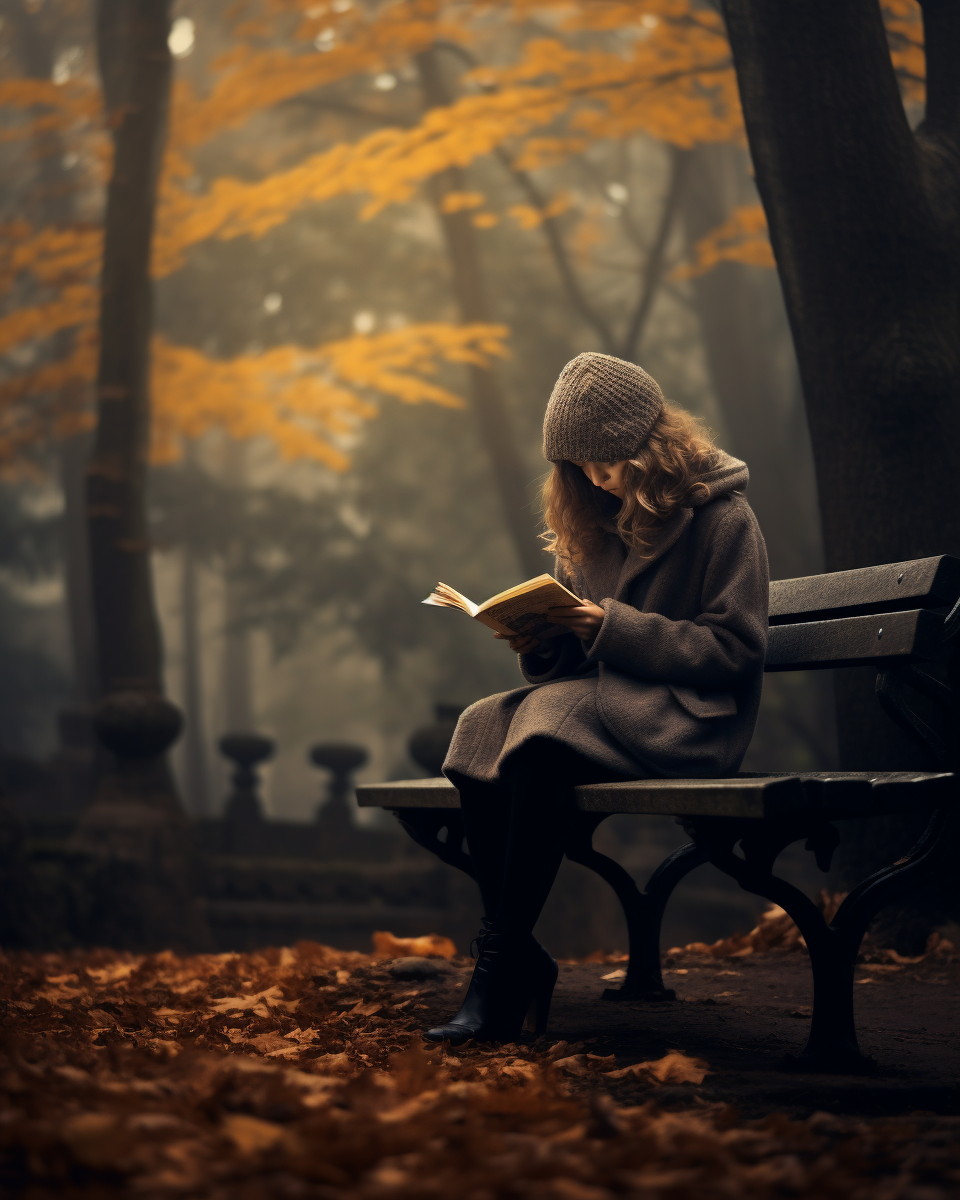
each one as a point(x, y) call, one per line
point(444, 596)
point(522, 610)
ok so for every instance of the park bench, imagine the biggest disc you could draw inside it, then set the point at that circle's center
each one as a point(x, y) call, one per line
point(903, 619)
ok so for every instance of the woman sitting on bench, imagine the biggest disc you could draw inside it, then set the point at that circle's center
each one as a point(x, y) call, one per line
point(659, 675)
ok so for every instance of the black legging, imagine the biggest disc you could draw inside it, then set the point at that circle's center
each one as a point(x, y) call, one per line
point(517, 828)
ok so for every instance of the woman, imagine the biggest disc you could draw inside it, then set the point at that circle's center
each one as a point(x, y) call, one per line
point(659, 674)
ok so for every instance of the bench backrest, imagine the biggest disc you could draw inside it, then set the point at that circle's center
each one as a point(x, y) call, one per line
point(855, 618)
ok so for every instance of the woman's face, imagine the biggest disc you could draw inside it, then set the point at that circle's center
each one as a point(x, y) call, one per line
point(609, 476)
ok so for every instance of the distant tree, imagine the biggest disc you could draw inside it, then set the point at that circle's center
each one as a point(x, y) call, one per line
point(135, 67)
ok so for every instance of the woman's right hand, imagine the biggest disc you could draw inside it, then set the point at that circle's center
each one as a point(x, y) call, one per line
point(519, 643)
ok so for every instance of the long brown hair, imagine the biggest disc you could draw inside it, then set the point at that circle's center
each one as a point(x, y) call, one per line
point(656, 482)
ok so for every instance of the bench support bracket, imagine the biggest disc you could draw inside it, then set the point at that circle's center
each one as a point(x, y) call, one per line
point(643, 910)
point(832, 1045)
point(425, 825)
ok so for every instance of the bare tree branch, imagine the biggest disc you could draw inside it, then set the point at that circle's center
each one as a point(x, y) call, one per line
point(655, 262)
point(568, 276)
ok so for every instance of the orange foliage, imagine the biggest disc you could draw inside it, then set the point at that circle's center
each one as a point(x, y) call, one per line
point(308, 401)
point(741, 238)
point(64, 106)
point(670, 77)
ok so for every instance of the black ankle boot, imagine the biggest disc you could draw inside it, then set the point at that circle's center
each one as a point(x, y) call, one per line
point(514, 976)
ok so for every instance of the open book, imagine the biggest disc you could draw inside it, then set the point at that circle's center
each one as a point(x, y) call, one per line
point(519, 609)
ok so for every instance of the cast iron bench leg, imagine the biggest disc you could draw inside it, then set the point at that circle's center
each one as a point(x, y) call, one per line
point(643, 910)
point(832, 1044)
point(425, 825)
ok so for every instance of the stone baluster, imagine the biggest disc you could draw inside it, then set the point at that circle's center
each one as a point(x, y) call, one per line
point(335, 826)
point(243, 814)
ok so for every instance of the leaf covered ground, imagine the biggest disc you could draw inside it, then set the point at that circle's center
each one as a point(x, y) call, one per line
point(300, 1073)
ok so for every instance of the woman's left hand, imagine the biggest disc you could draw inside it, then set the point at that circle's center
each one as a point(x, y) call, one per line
point(584, 619)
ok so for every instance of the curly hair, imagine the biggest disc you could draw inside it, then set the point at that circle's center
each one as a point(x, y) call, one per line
point(657, 481)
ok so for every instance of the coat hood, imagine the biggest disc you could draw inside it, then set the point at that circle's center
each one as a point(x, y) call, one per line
point(729, 475)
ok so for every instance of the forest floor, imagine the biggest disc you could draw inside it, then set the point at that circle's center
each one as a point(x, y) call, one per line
point(299, 1073)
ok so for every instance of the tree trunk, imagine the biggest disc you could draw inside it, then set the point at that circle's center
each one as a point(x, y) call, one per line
point(132, 843)
point(236, 679)
point(863, 221)
point(489, 401)
point(135, 67)
point(863, 217)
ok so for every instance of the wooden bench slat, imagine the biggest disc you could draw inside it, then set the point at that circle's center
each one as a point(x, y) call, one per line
point(845, 794)
point(923, 583)
point(767, 796)
point(853, 641)
point(836, 794)
point(409, 793)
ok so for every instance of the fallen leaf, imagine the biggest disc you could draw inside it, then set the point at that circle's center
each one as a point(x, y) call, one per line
point(573, 1189)
point(674, 1067)
point(520, 1069)
point(273, 1045)
point(114, 972)
point(96, 1139)
point(366, 1009)
point(302, 1036)
point(583, 1064)
point(334, 1062)
point(614, 976)
point(430, 945)
point(251, 1134)
point(259, 1002)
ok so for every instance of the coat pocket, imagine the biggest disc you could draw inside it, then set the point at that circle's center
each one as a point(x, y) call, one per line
point(704, 703)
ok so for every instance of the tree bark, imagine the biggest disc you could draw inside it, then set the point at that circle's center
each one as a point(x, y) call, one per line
point(135, 67)
point(489, 401)
point(863, 223)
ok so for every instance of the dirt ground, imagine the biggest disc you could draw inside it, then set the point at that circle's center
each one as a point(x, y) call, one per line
point(300, 1073)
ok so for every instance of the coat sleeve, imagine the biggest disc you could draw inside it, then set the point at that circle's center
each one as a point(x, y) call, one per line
point(566, 650)
point(720, 648)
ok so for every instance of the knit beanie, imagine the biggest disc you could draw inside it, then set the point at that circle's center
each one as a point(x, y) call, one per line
point(601, 410)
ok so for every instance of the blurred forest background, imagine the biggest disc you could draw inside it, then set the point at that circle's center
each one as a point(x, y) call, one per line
point(382, 231)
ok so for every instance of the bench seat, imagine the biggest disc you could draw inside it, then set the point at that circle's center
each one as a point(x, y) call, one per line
point(901, 619)
point(833, 794)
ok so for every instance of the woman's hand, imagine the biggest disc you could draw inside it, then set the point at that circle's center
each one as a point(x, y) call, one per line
point(519, 643)
point(584, 619)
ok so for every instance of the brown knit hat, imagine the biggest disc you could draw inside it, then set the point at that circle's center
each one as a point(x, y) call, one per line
point(601, 410)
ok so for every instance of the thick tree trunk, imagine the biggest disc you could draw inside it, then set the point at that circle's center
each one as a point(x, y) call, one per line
point(135, 67)
point(133, 842)
point(863, 222)
point(863, 217)
point(489, 401)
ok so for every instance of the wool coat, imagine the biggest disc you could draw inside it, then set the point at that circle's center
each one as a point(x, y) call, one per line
point(671, 684)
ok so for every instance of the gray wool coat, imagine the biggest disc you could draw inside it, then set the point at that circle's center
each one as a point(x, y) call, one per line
point(671, 684)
